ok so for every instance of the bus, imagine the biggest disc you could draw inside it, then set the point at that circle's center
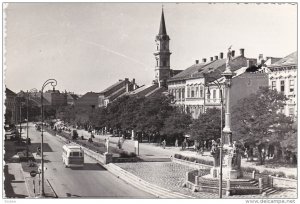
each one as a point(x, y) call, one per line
point(73, 155)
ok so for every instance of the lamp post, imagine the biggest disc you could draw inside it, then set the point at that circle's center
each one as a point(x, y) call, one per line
point(216, 82)
point(53, 83)
point(32, 90)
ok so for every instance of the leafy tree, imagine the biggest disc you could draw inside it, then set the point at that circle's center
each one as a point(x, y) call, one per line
point(207, 126)
point(257, 120)
point(176, 125)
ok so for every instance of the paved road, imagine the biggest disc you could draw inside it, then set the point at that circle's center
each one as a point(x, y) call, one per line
point(91, 181)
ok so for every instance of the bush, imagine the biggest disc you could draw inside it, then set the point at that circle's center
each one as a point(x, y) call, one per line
point(280, 174)
point(249, 169)
point(193, 159)
point(125, 154)
point(292, 177)
point(268, 172)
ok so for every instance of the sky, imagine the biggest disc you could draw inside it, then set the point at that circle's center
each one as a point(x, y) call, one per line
point(90, 46)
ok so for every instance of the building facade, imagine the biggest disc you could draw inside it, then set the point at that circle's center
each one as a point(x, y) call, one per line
point(10, 106)
point(283, 78)
point(201, 86)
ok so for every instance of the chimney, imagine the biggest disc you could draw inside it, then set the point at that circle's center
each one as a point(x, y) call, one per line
point(197, 61)
point(242, 52)
point(133, 83)
point(232, 53)
point(221, 55)
point(249, 63)
point(216, 57)
point(203, 60)
point(127, 85)
point(211, 59)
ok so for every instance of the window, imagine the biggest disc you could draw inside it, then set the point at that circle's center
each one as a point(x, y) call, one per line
point(282, 86)
point(183, 93)
point(188, 92)
point(273, 85)
point(192, 92)
point(292, 85)
point(179, 94)
point(201, 91)
point(214, 94)
point(197, 92)
point(208, 97)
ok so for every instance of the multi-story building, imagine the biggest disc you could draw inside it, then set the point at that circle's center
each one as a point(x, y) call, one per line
point(55, 98)
point(283, 78)
point(190, 87)
point(10, 103)
point(88, 100)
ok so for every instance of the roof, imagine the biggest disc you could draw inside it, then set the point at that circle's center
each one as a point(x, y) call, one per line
point(188, 72)
point(291, 59)
point(112, 86)
point(216, 68)
point(144, 90)
point(10, 92)
point(162, 27)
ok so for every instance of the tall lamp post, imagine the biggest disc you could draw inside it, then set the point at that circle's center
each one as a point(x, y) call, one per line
point(216, 82)
point(32, 90)
point(53, 83)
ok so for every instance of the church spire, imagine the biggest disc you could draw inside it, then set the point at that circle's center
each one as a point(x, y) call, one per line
point(162, 28)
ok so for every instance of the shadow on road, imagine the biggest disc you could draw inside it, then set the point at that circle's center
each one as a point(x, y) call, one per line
point(33, 147)
point(90, 166)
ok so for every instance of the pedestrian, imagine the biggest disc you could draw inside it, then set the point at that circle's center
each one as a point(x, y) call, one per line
point(164, 144)
point(176, 143)
point(247, 153)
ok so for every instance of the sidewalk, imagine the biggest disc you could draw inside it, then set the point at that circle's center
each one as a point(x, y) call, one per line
point(150, 150)
point(18, 183)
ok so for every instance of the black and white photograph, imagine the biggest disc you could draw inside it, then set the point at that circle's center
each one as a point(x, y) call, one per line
point(157, 101)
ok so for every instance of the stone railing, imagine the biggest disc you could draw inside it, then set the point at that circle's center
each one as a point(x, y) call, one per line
point(283, 182)
point(190, 164)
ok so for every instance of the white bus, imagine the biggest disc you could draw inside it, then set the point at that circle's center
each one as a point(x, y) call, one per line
point(73, 155)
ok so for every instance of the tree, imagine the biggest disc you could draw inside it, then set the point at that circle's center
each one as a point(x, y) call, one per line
point(207, 126)
point(176, 125)
point(257, 120)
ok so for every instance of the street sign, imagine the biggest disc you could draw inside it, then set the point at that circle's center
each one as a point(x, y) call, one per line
point(33, 173)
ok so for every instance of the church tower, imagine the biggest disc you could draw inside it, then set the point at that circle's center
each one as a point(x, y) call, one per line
point(162, 54)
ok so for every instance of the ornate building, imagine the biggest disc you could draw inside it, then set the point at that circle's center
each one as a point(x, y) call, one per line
point(283, 78)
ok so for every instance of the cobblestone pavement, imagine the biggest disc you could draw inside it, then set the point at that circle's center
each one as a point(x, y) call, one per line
point(171, 176)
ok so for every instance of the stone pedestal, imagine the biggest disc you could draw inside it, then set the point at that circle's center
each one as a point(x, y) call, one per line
point(234, 174)
point(215, 172)
point(107, 158)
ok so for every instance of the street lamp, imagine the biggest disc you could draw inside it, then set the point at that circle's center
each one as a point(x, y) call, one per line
point(32, 90)
point(216, 82)
point(53, 83)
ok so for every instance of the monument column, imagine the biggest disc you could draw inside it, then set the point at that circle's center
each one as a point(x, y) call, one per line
point(233, 169)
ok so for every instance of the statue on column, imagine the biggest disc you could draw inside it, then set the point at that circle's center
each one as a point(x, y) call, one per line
point(215, 152)
point(228, 59)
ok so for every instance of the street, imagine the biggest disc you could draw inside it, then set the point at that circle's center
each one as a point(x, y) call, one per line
point(90, 181)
